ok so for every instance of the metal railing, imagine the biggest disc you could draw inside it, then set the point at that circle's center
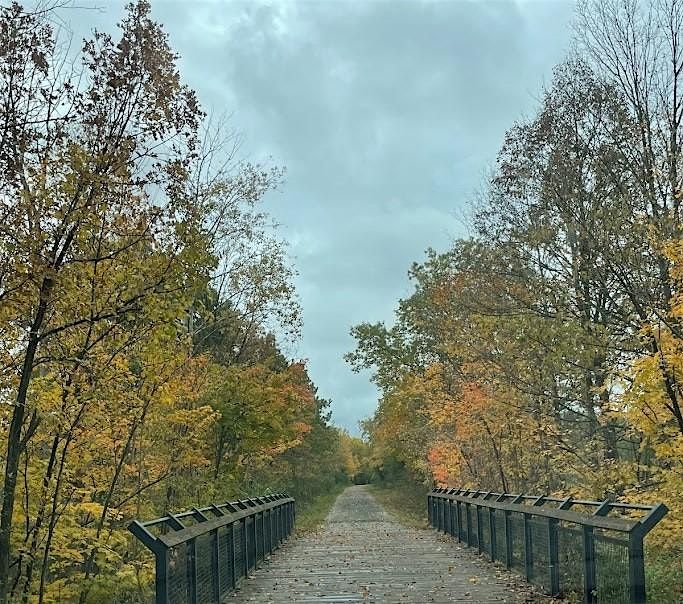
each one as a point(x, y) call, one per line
point(562, 545)
point(202, 554)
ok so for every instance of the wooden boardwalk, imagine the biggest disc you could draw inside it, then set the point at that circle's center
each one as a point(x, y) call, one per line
point(363, 554)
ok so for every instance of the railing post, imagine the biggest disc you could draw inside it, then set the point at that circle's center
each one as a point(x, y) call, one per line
point(458, 520)
point(636, 568)
point(162, 559)
point(255, 531)
point(283, 523)
point(636, 554)
point(501, 498)
point(554, 556)
point(287, 516)
point(234, 555)
point(448, 516)
point(468, 524)
point(270, 531)
point(245, 548)
point(589, 578)
point(276, 527)
point(493, 537)
point(480, 528)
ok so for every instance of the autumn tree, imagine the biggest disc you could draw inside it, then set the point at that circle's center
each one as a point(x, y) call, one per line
point(637, 48)
point(91, 163)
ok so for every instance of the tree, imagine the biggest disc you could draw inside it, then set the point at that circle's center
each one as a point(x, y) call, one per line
point(90, 163)
point(637, 48)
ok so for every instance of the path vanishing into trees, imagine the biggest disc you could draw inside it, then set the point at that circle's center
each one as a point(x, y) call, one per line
point(363, 554)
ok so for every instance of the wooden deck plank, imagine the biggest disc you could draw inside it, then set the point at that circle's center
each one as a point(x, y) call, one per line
point(362, 554)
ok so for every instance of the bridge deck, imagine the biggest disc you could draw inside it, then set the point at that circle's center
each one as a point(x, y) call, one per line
point(363, 554)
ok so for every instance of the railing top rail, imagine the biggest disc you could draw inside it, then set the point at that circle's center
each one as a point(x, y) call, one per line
point(207, 519)
point(532, 504)
point(216, 509)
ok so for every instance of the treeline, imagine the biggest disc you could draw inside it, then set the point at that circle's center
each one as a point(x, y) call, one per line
point(544, 353)
point(140, 287)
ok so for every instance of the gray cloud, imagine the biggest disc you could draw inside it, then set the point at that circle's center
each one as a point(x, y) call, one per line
point(386, 115)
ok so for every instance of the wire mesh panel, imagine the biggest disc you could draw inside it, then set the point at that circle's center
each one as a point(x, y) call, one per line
point(177, 575)
point(474, 537)
point(225, 566)
point(238, 537)
point(201, 554)
point(499, 520)
point(587, 550)
point(267, 532)
point(280, 523)
point(260, 542)
point(611, 566)
point(540, 558)
point(516, 524)
point(251, 545)
point(485, 531)
point(570, 559)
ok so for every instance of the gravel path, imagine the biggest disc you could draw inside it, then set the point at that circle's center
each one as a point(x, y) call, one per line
point(363, 554)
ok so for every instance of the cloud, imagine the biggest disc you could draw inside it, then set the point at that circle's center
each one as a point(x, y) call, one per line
point(386, 115)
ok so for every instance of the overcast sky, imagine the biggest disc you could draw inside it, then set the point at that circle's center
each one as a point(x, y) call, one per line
point(387, 115)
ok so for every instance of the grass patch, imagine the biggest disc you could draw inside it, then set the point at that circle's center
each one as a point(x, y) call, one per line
point(311, 514)
point(406, 501)
point(664, 576)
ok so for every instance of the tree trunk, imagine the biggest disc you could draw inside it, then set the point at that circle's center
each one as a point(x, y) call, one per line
point(15, 443)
